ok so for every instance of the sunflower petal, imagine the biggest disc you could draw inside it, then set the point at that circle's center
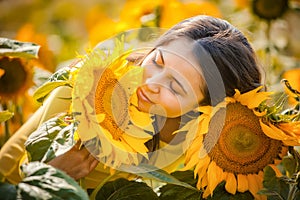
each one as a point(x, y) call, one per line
point(255, 184)
point(231, 184)
point(138, 144)
point(252, 98)
point(242, 182)
point(258, 99)
point(141, 119)
point(212, 177)
point(276, 170)
point(272, 132)
point(202, 166)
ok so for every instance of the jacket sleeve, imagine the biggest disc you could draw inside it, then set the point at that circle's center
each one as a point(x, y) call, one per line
point(13, 150)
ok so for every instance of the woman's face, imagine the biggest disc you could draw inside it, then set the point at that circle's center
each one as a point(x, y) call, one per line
point(172, 84)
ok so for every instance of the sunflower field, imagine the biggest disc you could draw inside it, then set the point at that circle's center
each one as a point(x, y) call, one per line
point(45, 44)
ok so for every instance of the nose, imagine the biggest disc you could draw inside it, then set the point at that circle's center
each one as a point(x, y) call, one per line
point(155, 82)
point(153, 88)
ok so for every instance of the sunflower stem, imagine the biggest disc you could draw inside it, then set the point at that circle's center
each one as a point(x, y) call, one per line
point(6, 126)
point(296, 155)
point(97, 189)
point(292, 192)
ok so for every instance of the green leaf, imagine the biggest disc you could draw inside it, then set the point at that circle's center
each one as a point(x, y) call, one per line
point(16, 48)
point(42, 92)
point(290, 165)
point(176, 192)
point(125, 190)
point(220, 193)
point(152, 172)
point(275, 188)
point(5, 115)
point(57, 79)
point(54, 137)
point(45, 182)
point(60, 75)
point(8, 191)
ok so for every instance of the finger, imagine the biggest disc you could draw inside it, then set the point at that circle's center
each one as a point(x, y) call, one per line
point(94, 164)
point(91, 158)
point(77, 145)
point(84, 152)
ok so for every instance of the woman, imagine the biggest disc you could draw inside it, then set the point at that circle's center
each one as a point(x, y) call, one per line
point(197, 62)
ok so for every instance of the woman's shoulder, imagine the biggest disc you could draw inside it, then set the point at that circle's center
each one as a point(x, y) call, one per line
point(59, 101)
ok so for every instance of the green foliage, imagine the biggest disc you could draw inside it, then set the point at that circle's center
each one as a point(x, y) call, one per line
point(176, 192)
point(19, 49)
point(220, 193)
point(5, 115)
point(59, 78)
point(45, 182)
point(274, 186)
point(8, 191)
point(125, 190)
point(54, 137)
point(154, 173)
point(287, 186)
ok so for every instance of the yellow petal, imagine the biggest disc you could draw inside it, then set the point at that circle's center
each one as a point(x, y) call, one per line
point(134, 99)
point(205, 109)
point(272, 132)
point(206, 193)
point(252, 98)
point(247, 95)
point(202, 166)
point(141, 119)
point(255, 184)
point(258, 99)
point(276, 170)
point(191, 135)
point(242, 183)
point(205, 181)
point(138, 144)
point(213, 179)
point(231, 184)
point(260, 114)
point(194, 147)
point(230, 100)
point(100, 117)
point(191, 163)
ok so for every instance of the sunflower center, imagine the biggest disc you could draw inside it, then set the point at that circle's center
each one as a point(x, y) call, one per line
point(243, 140)
point(242, 147)
point(111, 100)
point(14, 76)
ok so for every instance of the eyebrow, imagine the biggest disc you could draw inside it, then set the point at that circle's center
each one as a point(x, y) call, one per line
point(177, 81)
point(161, 55)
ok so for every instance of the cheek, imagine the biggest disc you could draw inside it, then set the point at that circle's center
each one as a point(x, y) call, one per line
point(171, 104)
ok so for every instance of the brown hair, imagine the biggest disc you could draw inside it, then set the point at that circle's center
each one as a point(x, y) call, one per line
point(229, 51)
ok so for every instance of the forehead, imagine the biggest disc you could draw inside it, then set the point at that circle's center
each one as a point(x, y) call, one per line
point(178, 56)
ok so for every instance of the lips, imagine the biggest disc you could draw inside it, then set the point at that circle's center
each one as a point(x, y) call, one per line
point(141, 96)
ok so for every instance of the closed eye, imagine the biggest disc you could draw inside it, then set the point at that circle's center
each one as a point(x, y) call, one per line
point(156, 64)
point(177, 87)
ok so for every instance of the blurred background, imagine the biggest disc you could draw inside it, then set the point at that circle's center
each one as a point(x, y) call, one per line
point(67, 28)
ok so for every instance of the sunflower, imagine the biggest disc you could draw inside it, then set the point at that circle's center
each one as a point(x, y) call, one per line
point(236, 144)
point(104, 94)
point(293, 78)
point(269, 9)
point(16, 77)
point(173, 11)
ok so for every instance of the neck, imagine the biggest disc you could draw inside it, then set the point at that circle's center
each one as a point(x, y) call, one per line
point(167, 126)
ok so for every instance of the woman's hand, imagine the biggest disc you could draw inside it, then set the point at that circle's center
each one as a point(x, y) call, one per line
point(77, 162)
